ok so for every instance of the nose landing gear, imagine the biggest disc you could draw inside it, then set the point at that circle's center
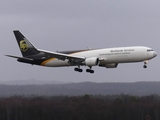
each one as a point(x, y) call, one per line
point(145, 64)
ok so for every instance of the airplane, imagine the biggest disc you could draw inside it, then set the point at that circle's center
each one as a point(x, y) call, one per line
point(107, 57)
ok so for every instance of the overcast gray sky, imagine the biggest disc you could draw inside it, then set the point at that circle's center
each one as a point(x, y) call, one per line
point(77, 24)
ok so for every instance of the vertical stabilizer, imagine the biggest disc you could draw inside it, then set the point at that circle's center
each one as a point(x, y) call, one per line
point(26, 48)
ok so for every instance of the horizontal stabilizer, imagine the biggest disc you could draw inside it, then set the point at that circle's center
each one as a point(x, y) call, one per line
point(22, 58)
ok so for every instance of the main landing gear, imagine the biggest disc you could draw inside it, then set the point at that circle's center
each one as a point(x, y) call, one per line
point(90, 70)
point(78, 69)
point(145, 64)
point(87, 70)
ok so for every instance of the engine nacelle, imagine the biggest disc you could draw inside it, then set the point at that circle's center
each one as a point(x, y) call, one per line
point(94, 61)
point(111, 65)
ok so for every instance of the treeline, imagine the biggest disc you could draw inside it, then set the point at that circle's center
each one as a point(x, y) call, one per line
point(76, 89)
point(87, 107)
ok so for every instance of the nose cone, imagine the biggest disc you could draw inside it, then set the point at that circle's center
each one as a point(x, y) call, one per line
point(154, 54)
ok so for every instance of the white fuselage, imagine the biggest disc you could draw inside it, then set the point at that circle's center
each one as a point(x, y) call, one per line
point(110, 55)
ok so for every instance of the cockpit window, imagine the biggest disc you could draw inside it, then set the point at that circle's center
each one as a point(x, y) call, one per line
point(149, 50)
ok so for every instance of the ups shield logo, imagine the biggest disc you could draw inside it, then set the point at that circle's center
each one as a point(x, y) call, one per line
point(23, 46)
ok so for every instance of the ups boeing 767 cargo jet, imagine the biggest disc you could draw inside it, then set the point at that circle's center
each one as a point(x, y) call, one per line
point(107, 57)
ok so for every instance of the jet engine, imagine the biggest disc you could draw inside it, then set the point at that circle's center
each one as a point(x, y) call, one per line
point(111, 65)
point(94, 61)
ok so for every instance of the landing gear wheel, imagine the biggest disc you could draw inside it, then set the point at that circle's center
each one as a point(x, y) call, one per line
point(75, 69)
point(89, 70)
point(92, 71)
point(145, 66)
point(78, 70)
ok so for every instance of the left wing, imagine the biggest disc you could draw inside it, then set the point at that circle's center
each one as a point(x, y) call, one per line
point(62, 56)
